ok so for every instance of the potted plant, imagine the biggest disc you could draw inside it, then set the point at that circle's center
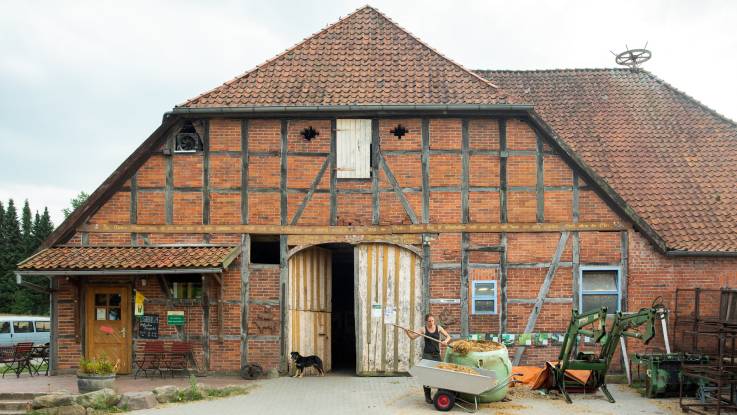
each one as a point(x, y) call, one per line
point(96, 373)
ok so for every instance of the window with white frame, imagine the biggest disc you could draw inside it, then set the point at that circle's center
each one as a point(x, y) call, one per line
point(483, 297)
point(600, 286)
point(353, 153)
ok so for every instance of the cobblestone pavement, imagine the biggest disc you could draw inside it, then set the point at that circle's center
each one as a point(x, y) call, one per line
point(343, 394)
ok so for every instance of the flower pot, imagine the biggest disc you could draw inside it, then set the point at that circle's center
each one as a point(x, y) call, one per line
point(87, 382)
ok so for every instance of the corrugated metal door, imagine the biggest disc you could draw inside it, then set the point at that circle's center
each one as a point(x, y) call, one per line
point(388, 278)
point(310, 281)
point(353, 141)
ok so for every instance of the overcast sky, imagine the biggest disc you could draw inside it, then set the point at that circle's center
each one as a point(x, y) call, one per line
point(83, 83)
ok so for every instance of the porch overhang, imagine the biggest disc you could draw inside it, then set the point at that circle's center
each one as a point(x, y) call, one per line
point(128, 260)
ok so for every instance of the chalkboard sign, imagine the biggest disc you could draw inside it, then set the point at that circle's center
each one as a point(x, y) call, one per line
point(148, 326)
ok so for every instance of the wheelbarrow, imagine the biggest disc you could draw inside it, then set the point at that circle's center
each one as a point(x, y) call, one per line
point(450, 384)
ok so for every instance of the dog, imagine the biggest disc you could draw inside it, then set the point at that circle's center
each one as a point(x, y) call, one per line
point(303, 362)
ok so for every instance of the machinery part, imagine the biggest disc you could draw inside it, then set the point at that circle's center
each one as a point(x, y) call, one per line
point(623, 325)
point(444, 400)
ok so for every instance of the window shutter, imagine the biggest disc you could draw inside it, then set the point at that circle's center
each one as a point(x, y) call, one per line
point(353, 149)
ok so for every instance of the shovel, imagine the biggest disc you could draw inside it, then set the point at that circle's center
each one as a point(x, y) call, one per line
point(419, 334)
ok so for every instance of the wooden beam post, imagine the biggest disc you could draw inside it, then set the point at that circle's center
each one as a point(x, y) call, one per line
point(206, 177)
point(244, 170)
point(503, 218)
point(283, 172)
point(623, 264)
point(543, 292)
point(169, 182)
point(54, 335)
point(465, 217)
point(333, 172)
point(425, 159)
point(576, 245)
point(134, 207)
point(540, 178)
point(375, 160)
point(245, 294)
point(283, 296)
point(205, 323)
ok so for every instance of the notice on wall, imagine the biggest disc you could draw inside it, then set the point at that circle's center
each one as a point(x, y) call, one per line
point(148, 326)
point(175, 318)
point(390, 315)
point(138, 310)
point(376, 310)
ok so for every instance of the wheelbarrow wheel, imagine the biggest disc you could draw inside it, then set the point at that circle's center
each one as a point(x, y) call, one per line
point(444, 400)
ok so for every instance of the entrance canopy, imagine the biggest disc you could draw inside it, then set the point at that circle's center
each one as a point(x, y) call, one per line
point(94, 260)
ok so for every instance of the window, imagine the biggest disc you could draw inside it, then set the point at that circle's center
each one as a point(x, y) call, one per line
point(483, 297)
point(265, 251)
point(353, 141)
point(107, 306)
point(5, 327)
point(43, 326)
point(599, 287)
point(22, 327)
point(186, 286)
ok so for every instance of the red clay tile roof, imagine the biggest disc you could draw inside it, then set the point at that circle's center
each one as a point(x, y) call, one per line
point(88, 258)
point(673, 160)
point(362, 59)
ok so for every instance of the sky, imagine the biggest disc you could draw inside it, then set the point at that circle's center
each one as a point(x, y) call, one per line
point(83, 83)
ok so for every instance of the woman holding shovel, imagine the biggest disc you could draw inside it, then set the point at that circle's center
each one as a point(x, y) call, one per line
point(431, 351)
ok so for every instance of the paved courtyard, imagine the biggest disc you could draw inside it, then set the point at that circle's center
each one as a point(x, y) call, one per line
point(343, 394)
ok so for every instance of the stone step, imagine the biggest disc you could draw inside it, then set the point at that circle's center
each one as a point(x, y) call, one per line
point(19, 396)
point(13, 405)
point(12, 412)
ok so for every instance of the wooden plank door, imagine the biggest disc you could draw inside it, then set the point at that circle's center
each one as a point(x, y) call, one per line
point(108, 324)
point(353, 138)
point(310, 291)
point(389, 276)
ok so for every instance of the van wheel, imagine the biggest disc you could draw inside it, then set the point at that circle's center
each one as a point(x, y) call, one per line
point(444, 400)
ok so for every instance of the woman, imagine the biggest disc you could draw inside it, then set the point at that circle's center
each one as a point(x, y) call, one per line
point(431, 350)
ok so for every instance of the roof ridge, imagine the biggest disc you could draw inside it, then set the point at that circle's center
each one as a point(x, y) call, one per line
point(420, 41)
point(476, 76)
point(555, 70)
point(700, 104)
point(268, 61)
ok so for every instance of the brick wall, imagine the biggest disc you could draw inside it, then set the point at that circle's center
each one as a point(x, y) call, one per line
point(528, 254)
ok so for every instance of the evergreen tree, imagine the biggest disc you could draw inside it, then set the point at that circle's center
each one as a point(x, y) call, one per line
point(26, 226)
point(11, 251)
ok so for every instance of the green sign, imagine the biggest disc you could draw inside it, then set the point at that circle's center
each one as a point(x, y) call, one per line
point(175, 318)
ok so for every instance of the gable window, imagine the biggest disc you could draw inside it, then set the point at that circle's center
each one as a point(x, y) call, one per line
point(483, 297)
point(600, 286)
point(187, 140)
point(353, 141)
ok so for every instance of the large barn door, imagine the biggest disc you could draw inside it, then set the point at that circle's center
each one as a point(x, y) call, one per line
point(388, 279)
point(310, 280)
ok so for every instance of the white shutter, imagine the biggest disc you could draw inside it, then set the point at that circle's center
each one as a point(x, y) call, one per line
point(354, 149)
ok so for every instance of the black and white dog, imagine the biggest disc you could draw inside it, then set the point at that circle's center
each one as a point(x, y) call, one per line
point(302, 362)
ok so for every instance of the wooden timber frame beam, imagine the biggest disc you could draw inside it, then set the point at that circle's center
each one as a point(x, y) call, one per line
point(503, 219)
point(420, 228)
point(543, 293)
point(221, 293)
point(245, 294)
point(426, 255)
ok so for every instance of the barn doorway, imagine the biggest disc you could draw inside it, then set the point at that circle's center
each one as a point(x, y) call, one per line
point(343, 335)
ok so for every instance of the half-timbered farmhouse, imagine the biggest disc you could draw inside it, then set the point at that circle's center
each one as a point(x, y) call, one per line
point(361, 178)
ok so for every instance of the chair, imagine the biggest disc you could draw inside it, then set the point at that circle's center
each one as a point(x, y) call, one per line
point(179, 357)
point(40, 353)
point(151, 359)
point(17, 358)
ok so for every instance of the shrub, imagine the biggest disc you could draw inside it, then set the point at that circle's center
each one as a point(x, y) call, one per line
point(100, 365)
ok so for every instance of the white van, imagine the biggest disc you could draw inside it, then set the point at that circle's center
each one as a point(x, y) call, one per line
point(17, 329)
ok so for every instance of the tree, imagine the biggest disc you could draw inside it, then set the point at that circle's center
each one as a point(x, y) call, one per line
point(10, 253)
point(76, 202)
point(18, 240)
